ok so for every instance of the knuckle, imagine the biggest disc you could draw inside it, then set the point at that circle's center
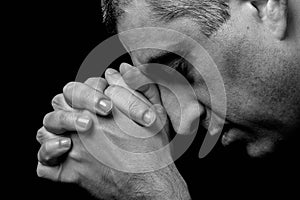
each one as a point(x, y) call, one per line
point(57, 100)
point(39, 171)
point(40, 134)
point(111, 91)
point(62, 117)
point(76, 155)
point(68, 87)
point(101, 84)
point(135, 108)
point(102, 80)
point(74, 93)
point(72, 177)
point(67, 119)
point(45, 157)
point(41, 157)
point(43, 154)
point(91, 80)
point(107, 92)
point(47, 118)
point(84, 95)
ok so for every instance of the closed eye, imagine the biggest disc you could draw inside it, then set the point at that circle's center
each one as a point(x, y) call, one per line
point(164, 58)
point(174, 61)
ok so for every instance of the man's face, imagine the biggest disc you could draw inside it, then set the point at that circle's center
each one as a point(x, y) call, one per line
point(261, 75)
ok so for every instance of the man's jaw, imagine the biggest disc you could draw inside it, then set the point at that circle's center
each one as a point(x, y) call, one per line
point(231, 133)
point(258, 143)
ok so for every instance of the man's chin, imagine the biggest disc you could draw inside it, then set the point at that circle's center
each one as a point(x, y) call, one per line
point(261, 148)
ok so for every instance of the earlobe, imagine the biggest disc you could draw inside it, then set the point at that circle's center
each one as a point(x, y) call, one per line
point(274, 14)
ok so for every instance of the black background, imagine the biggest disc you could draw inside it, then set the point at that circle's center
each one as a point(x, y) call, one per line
point(58, 36)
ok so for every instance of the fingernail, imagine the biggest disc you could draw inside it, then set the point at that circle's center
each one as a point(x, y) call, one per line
point(105, 105)
point(110, 71)
point(66, 142)
point(55, 144)
point(83, 121)
point(149, 117)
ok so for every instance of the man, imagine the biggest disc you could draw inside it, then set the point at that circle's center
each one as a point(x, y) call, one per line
point(255, 45)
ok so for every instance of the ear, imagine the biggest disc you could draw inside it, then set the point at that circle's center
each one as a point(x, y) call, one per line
point(273, 14)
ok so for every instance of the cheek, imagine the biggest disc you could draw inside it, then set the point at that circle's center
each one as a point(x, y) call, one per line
point(261, 86)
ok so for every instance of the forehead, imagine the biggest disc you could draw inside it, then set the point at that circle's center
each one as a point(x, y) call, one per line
point(148, 42)
point(144, 42)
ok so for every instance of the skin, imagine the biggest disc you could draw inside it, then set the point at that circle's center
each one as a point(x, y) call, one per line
point(257, 54)
point(80, 166)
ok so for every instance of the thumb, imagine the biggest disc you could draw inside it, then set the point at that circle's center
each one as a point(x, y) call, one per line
point(136, 80)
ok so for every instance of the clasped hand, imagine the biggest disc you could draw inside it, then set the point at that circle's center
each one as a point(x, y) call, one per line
point(74, 149)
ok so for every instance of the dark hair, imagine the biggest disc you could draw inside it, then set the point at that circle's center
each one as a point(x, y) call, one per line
point(209, 14)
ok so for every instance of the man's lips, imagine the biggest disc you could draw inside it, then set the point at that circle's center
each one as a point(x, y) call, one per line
point(229, 133)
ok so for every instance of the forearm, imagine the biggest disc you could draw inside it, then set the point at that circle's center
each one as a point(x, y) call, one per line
point(164, 184)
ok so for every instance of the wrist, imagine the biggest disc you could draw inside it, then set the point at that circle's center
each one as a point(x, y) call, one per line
point(164, 184)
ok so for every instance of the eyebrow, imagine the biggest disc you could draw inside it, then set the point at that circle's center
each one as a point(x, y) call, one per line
point(163, 57)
